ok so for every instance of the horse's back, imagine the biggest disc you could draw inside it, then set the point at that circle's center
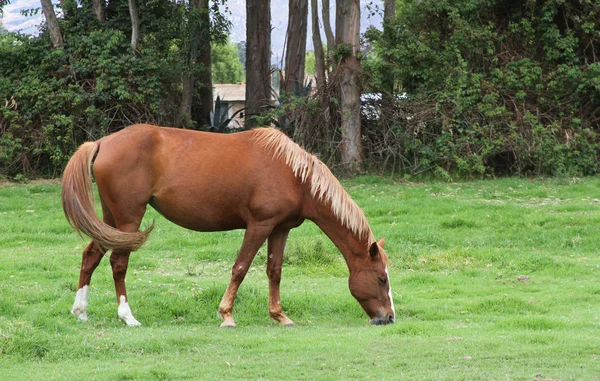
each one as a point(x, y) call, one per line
point(200, 180)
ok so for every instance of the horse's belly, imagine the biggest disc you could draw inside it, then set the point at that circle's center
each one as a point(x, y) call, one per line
point(207, 217)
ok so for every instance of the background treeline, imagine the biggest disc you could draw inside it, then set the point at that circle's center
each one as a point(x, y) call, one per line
point(464, 87)
point(492, 86)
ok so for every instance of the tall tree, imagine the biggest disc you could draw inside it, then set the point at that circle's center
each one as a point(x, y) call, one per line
point(327, 24)
point(318, 45)
point(258, 57)
point(198, 68)
point(388, 91)
point(347, 31)
point(184, 117)
point(98, 9)
point(135, 24)
point(296, 46)
point(203, 106)
point(52, 22)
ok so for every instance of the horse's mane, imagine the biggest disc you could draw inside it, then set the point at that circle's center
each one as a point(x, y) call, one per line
point(323, 184)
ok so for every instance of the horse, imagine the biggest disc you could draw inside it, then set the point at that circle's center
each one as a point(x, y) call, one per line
point(258, 180)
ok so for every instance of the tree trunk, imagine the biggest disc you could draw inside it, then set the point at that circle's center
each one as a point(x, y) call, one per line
point(347, 29)
point(295, 56)
point(135, 24)
point(184, 117)
point(52, 22)
point(388, 90)
point(258, 57)
point(98, 9)
point(318, 46)
point(203, 106)
point(327, 26)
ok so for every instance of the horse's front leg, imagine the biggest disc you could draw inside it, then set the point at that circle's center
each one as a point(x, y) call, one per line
point(253, 239)
point(276, 246)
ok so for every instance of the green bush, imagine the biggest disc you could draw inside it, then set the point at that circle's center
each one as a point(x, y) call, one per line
point(57, 99)
point(493, 87)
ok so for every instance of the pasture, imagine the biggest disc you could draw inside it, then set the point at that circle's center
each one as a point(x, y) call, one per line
point(492, 280)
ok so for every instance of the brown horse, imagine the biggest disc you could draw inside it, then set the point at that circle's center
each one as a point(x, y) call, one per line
point(257, 180)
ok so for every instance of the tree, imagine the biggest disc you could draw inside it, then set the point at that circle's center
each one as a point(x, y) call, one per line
point(184, 117)
point(135, 24)
point(347, 29)
point(226, 66)
point(388, 91)
point(203, 105)
point(98, 8)
point(258, 56)
point(296, 46)
point(327, 25)
point(241, 48)
point(52, 23)
point(319, 56)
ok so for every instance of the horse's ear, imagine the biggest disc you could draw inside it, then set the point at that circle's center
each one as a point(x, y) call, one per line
point(381, 243)
point(374, 250)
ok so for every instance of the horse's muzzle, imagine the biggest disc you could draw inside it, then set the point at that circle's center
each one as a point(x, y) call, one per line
point(389, 319)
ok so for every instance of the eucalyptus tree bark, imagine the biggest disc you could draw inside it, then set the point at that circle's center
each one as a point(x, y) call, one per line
point(202, 107)
point(388, 93)
point(318, 45)
point(295, 56)
point(135, 24)
point(98, 9)
point(327, 26)
point(184, 116)
point(52, 22)
point(347, 30)
point(258, 57)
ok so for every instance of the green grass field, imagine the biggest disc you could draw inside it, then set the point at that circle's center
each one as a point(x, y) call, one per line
point(492, 280)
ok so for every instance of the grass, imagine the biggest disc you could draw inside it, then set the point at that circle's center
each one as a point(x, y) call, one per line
point(491, 279)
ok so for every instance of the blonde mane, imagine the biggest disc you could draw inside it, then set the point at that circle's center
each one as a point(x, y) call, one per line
point(323, 185)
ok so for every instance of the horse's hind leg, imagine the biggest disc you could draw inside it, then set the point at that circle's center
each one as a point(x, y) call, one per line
point(92, 255)
point(253, 239)
point(276, 246)
point(119, 261)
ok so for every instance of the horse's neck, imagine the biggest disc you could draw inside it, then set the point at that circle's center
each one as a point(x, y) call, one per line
point(350, 244)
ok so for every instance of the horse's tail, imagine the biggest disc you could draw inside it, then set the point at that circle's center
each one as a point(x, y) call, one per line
point(78, 204)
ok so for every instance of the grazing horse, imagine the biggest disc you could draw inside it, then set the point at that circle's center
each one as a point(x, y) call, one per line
point(258, 180)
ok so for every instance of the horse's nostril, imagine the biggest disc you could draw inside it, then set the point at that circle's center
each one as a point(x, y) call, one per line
point(390, 318)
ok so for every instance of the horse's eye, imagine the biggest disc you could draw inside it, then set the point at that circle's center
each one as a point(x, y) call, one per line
point(382, 280)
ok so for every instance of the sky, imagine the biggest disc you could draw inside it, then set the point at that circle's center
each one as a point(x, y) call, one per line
point(14, 21)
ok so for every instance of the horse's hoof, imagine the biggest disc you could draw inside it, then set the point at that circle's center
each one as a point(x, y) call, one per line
point(227, 325)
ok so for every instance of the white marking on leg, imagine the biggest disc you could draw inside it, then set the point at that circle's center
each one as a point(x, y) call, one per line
point(390, 292)
point(124, 313)
point(80, 306)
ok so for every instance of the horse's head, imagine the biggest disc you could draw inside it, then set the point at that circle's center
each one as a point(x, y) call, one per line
point(370, 285)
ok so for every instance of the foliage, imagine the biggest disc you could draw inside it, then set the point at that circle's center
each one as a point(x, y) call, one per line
point(310, 63)
point(226, 66)
point(57, 99)
point(498, 86)
point(53, 100)
point(241, 48)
